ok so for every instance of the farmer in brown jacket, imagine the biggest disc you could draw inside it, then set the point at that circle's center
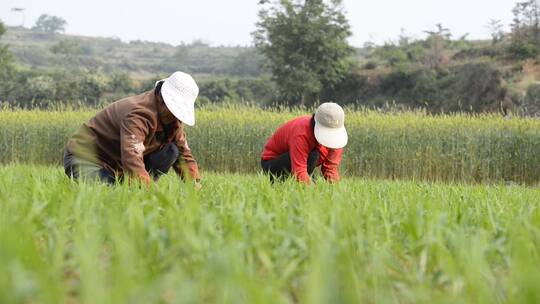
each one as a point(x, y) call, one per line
point(140, 137)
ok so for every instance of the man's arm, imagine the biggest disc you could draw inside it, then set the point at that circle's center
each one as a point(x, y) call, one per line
point(186, 161)
point(133, 131)
point(330, 166)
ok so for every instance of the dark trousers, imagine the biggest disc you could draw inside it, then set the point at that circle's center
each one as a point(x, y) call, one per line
point(156, 163)
point(280, 167)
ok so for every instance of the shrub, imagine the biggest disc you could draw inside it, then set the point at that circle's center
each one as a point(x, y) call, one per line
point(531, 103)
point(370, 65)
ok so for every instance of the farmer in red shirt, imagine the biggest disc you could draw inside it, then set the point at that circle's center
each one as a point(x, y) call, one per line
point(306, 142)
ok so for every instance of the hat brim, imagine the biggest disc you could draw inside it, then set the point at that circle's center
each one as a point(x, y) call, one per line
point(333, 138)
point(182, 108)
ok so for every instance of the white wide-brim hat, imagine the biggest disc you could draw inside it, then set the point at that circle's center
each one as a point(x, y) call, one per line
point(330, 126)
point(179, 92)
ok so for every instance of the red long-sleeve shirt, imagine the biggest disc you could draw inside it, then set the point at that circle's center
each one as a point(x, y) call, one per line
point(297, 138)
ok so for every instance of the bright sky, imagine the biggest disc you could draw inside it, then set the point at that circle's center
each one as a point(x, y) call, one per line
point(230, 22)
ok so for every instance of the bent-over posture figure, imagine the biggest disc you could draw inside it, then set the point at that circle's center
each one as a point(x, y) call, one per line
point(139, 137)
point(306, 142)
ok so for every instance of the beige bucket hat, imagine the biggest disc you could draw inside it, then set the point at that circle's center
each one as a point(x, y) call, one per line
point(179, 92)
point(330, 126)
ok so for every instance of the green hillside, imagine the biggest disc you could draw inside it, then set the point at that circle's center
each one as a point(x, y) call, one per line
point(141, 59)
point(438, 73)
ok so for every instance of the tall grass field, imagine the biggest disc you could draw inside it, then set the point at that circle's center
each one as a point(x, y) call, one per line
point(243, 240)
point(414, 145)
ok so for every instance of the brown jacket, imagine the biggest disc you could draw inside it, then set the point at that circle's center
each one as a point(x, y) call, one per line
point(121, 135)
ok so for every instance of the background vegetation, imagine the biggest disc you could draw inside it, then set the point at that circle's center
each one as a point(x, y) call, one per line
point(437, 72)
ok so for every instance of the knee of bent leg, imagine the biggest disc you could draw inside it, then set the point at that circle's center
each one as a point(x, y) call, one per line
point(172, 151)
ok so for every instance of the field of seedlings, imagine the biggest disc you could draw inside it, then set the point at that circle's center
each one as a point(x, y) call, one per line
point(242, 240)
point(438, 209)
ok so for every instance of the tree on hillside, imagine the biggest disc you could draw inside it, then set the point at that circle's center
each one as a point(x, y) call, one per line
point(404, 39)
point(50, 24)
point(305, 44)
point(436, 42)
point(495, 28)
point(526, 29)
point(6, 61)
point(7, 69)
